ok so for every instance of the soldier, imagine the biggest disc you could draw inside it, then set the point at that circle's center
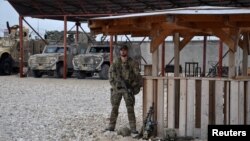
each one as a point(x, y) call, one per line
point(124, 77)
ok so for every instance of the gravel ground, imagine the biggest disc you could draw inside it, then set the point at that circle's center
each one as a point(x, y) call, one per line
point(50, 109)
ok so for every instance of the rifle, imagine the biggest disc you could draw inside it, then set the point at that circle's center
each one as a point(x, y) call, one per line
point(148, 127)
point(124, 84)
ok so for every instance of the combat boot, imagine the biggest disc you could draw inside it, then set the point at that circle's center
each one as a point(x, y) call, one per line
point(134, 131)
point(110, 128)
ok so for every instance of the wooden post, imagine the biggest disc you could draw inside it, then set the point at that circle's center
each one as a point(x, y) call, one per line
point(248, 103)
point(190, 107)
point(160, 107)
point(111, 49)
point(163, 59)
point(204, 108)
point(234, 102)
point(219, 92)
point(231, 64)
point(155, 61)
point(241, 102)
point(176, 55)
point(65, 48)
point(204, 56)
point(183, 110)
point(220, 59)
point(21, 46)
point(227, 102)
point(148, 70)
point(171, 103)
point(77, 31)
point(233, 48)
point(245, 54)
point(147, 96)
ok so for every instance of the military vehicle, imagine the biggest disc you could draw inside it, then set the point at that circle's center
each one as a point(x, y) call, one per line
point(10, 49)
point(50, 61)
point(96, 60)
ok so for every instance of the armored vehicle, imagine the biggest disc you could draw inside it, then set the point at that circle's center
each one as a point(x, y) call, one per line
point(96, 60)
point(10, 49)
point(51, 61)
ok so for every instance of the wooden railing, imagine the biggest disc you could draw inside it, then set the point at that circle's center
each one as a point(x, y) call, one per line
point(189, 105)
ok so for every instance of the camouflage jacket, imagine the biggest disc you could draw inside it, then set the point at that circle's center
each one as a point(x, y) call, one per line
point(128, 72)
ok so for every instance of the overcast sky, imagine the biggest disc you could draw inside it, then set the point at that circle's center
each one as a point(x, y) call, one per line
point(8, 13)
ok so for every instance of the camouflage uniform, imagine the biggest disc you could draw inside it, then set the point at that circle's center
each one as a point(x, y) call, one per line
point(126, 72)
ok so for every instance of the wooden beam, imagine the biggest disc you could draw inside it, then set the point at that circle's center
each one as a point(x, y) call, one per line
point(239, 18)
point(157, 40)
point(202, 25)
point(225, 37)
point(241, 41)
point(159, 34)
point(128, 29)
point(199, 18)
point(185, 41)
point(235, 35)
point(140, 33)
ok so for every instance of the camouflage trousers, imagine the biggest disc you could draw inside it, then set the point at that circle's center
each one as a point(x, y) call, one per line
point(116, 97)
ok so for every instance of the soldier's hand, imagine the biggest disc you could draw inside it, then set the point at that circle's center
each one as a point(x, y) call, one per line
point(118, 85)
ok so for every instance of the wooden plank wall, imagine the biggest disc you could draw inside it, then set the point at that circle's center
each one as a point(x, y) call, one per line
point(202, 101)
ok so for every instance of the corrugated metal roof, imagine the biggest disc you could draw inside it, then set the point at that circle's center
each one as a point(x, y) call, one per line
point(82, 10)
point(207, 10)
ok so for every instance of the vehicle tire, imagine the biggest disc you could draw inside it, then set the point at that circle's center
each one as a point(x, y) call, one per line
point(37, 73)
point(81, 75)
point(104, 73)
point(6, 65)
point(59, 70)
point(70, 73)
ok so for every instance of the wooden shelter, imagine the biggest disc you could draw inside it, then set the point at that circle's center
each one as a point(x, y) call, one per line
point(189, 104)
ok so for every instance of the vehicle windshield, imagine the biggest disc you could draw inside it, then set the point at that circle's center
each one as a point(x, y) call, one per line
point(82, 50)
point(54, 50)
point(99, 50)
